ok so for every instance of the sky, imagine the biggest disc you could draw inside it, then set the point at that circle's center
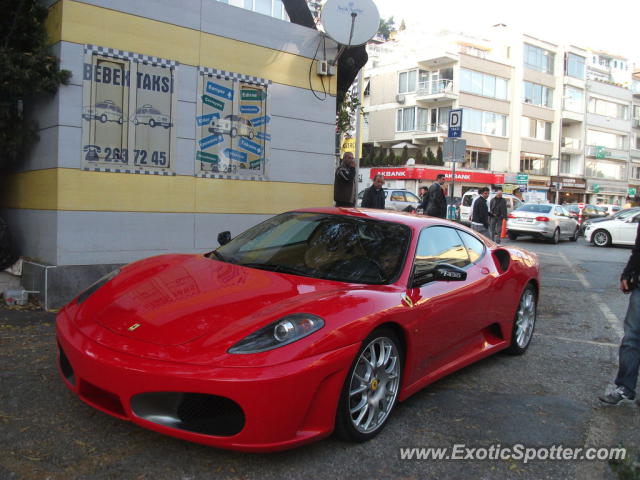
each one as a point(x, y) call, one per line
point(600, 25)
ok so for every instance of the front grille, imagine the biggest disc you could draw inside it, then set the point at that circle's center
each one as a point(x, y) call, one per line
point(65, 366)
point(102, 398)
point(193, 412)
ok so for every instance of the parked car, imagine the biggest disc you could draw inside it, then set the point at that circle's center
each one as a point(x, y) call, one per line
point(312, 321)
point(104, 111)
point(395, 199)
point(617, 231)
point(589, 212)
point(621, 214)
point(149, 115)
point(547, 221)
point(611, 209)
point(233, 125)
point(513, 202)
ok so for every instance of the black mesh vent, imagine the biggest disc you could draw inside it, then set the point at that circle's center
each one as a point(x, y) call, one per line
point(65, 367)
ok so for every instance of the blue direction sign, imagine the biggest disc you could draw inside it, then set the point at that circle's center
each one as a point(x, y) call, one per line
point(455, 123)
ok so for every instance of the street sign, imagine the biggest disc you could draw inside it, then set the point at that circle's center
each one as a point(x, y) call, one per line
point(581, 206)
point(596, 188)
point(522, 178)
point(453, 150)
point(632, 192)
point(455, 123)
point(601, 152)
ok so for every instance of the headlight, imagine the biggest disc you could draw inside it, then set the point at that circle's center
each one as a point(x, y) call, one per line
point(89, 291)
point(279, 333)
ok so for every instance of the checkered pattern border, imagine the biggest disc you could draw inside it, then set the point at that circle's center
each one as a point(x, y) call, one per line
point(234, 76)
point(134, 57)
point(225, 176)
point(128, 170)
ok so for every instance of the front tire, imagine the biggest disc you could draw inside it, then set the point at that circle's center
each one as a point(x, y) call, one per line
point(371, 388)
point(575, 236)
point(556, 236)
point(524, 322)
point(601, 238)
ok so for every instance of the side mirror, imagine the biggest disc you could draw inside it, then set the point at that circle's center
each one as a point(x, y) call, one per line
point(224, 237)
point(573, 215)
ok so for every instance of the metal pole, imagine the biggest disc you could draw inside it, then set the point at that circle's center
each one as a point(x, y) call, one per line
point(450, 208)
point(358, 128)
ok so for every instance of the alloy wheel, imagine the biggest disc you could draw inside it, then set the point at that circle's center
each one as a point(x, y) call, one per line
point(525, 319)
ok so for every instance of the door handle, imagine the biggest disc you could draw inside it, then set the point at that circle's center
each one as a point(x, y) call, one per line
point(485, 271)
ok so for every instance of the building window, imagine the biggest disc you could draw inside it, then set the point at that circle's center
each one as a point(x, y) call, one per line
point(603, 169)
point(565, 164)
point(574, 66)
point(534, 163)
point(483, 84)
point(273, 8)
point(606, 139)
point(635, 173)
point(608, 109)
point(533, 128)
point(406, 119)
point(539, 59)
point(477, 159)
point(573, 99)
point(488, 123)
point(128, 112)
point(407, 81)
point(232, 126)
point(537, 95)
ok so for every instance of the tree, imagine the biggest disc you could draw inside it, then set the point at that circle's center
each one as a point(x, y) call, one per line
point(27, 70)
point(386, 27)
point(347, 111)
point(439, 156)
point(381, 157)
point(419, 158)
point(431, 159)
point(404, 156)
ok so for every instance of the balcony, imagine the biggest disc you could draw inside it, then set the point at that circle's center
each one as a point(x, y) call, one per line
point(571, 145)
point(607, 153)
point(430, 131)
point(436, 91)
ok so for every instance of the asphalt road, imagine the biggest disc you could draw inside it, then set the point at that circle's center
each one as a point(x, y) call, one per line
point(544, 398)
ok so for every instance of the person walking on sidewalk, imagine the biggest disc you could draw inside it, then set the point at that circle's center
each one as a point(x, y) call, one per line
point(497, 214)
point(344, 185)
point(480, 213)
point(436, 201)
point(629, 353)
point(374, 195)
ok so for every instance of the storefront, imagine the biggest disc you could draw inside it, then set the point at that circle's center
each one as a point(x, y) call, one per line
point(567, 190)
point(607, 192)
point(411, 178)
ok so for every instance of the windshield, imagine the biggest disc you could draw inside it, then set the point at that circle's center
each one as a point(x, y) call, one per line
point(331, 247)
point(532, 207)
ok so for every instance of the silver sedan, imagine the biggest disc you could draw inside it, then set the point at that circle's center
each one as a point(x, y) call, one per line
point(547, 221)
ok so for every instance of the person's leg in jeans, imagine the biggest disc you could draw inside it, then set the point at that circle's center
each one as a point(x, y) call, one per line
point(629, 356)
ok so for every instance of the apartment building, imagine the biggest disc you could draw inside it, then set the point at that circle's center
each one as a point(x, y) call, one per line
point(528, 106)
point(634, 152)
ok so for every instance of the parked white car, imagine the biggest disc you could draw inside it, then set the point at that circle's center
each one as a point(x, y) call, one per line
point(617, 231)
point(395, 199)
point(513, 202)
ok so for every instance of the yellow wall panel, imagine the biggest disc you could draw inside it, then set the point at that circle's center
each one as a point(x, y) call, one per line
point(87, 24)
point(79, 190)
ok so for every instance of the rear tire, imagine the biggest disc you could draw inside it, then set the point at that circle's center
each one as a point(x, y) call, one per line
point(370, 393)
point(512, 235)
point(556, 236)
point(524, 322)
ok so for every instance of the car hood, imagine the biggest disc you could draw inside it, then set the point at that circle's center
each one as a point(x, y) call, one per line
point(176, 306)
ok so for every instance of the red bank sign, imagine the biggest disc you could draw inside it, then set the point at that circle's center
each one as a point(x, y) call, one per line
point(412, 173)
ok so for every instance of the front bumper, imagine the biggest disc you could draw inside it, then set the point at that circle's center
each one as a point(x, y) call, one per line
point(273, 408)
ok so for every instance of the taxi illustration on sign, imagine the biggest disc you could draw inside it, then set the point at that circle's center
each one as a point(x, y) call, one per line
point(105, 111)
point(233, 125)
point(149, 115)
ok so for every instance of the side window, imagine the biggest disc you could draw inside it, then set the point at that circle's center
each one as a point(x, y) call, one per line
point(516, 203)
point(397, 197)
point(475, 248)
point(411, 197)
point(438, 245)
point(467, 200)
point(558, 211)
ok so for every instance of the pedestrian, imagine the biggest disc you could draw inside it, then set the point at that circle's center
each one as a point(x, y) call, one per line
point(424, 199)
point(480, 213)
point(629, 353)
point(374, 195)
point(497, 214)
point(436, 201)
point(344, 186)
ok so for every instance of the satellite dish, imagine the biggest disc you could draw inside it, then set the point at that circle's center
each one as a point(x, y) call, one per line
point(350, 22)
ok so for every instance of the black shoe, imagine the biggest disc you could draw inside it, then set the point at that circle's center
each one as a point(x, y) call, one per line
point(616, 396)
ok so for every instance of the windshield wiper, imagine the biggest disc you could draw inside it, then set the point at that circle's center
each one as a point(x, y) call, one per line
point(277, 268)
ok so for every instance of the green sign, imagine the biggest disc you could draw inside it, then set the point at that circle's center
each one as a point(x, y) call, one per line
point(253, 95)
point(207, 157)
point(212, 102)
point(596, 188)
point(522, 178)
point(601, 152)
point(632, 192)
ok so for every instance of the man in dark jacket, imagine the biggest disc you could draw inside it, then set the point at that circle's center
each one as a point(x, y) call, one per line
point(344, 185)
point(480, 213)
point(497, 213)
point(629, 353)
point(436, 201)
point(424, 198)
point(374, 195)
